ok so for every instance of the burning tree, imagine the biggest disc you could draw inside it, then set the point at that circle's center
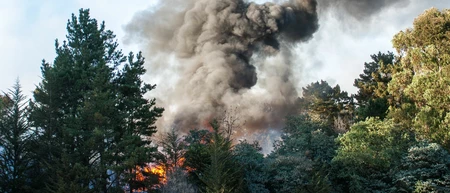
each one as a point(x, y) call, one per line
point(173, 150)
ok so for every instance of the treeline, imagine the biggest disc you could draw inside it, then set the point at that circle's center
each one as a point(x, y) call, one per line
point(88, 127)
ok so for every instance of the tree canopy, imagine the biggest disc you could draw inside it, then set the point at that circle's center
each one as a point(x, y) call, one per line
point(420, 87)
point(372, 96)
point(89, 127)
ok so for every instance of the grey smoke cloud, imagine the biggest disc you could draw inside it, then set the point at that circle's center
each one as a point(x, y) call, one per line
point(212, 56)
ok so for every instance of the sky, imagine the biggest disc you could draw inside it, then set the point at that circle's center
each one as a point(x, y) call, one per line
point(28, 29)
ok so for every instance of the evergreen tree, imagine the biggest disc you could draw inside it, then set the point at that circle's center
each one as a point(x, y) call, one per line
point(173, 148)
point(210, 163)
point(372, 85)
point(329, 104)
point(426, 168)
point(301, 160)
point(250, 158)
point(223, 174)
point(197, 156)
point(92, 119)
point(138, 116)
point(15, 140)
point(74, 107)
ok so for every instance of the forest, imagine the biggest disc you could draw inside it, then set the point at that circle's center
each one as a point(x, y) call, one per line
point(89, 127)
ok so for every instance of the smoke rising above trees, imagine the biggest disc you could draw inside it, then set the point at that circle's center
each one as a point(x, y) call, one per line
point(215, 43)
point(230, 54)
point(88, 127)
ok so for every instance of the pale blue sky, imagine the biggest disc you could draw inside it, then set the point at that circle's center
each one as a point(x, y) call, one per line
point(28, 29)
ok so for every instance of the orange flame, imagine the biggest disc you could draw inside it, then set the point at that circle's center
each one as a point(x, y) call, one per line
point(139, 175)
point(160, 171)
point(157, 170)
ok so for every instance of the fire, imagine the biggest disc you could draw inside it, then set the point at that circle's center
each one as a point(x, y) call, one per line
point(141, 172)
point(180, 161)
point(160, 171)
point(139, 175)
point(157, 170)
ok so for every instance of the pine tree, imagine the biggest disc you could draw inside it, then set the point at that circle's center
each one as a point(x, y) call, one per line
point(138, 116)
point(173, 148)
point(301, 160)
point(329, 104)
point(223, 174)
point(15, 141)
point(426, 168)
point(197, 155)
point(94, 123)
point(74, 108)
point(372, 86)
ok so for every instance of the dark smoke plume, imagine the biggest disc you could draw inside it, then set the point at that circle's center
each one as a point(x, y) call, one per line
point(210, 56)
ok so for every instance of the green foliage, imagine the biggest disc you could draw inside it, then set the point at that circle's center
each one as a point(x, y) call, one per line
point(372, 86)
point(377, 74)
point(210, 162)
point(138, 115)
point(300, 161)
point(15, 142)
point(94, 123)
point(367, 153)
point(288, 173)
point(197, 156)
point(250, 158)
point(324, 102)
point(89, 127)
point(223, 174)
point(313, 139)
point(74, 106)
point(318, 183)
point(423, 79)
point(173, 149)
point(377, 107)
point(426, 168)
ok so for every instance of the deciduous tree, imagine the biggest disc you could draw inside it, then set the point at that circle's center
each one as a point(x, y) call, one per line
point(420, 88)
point(367, 153)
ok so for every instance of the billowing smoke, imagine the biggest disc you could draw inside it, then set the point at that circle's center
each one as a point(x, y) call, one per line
point(209, 57)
